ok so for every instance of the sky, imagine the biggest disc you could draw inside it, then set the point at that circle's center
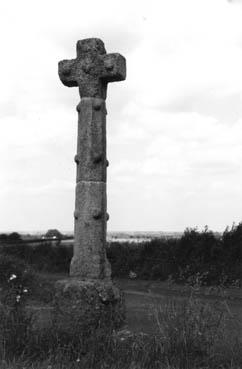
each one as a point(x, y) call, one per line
point(174, 127)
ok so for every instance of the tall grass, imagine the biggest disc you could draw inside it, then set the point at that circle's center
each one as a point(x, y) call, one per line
point(190, 335)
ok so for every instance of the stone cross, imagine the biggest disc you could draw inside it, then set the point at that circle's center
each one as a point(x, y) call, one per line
point(91, 71)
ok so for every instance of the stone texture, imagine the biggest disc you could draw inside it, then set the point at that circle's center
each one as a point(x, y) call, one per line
point(89, 260)
point(92, 69)
point(86, 305)
point(91, 142)
point(90, 297)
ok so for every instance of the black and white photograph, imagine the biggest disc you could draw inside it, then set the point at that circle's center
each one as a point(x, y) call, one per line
point(121, 184)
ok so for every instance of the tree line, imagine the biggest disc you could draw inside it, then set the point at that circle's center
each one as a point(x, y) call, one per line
point(196, 256)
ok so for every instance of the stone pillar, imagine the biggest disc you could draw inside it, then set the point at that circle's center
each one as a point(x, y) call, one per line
point(90, 214)
point(89, 296)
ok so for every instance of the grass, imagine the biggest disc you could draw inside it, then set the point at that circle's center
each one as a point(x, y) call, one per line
point(191, 335)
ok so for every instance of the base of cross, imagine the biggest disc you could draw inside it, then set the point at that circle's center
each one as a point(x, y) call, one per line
point(86, 305)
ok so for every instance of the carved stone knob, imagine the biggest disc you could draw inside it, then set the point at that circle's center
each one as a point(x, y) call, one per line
point(97, 104)
point(97, 158)
point(76, 214)
point(78, 107)
point(76, 159)
point(97, 214)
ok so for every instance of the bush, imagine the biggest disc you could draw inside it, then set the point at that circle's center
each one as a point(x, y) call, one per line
point(214, 260)
point(232, 244)
point(44, 256)
point(13, 237)
point(123, 258)
point(198, 246)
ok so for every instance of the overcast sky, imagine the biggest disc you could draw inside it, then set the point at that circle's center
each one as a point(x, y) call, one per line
point(174, 127)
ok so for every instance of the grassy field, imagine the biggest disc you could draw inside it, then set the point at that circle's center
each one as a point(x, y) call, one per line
point(190, 324)
point(143, 297)
point(168, 326)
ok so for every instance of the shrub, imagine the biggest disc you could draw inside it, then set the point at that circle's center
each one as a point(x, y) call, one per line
point(232, 244)
point(44, 256)
point(216, 260)
point(123, 258)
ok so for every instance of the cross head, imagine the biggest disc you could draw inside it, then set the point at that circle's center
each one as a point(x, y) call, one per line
point(92, 69)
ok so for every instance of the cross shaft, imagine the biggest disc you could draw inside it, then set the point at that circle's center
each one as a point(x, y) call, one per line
point(91, 71)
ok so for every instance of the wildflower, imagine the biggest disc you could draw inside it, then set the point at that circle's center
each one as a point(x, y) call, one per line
point(13, 276)
point(25, 290)
point(78, 360)
point(132, 275)
point(18, 298)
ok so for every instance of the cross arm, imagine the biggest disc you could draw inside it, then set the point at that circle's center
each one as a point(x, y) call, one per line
point(114, 68)
point(66, 71)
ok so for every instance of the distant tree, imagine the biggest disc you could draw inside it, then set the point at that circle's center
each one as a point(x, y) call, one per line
point(3, 237)
point(232, 243)
point(14, 237)
point(54, 233)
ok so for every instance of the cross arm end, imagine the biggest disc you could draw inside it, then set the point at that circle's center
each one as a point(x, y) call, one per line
point(66, 72)
point(114, 68)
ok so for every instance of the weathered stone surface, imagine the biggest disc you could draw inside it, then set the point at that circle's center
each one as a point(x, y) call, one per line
point(86, 305)
point(91, 142)
point(91, 296)
point(89, 260)
point(92, 69)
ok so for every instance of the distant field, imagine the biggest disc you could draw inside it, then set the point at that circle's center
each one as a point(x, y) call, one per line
point(136, 237)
